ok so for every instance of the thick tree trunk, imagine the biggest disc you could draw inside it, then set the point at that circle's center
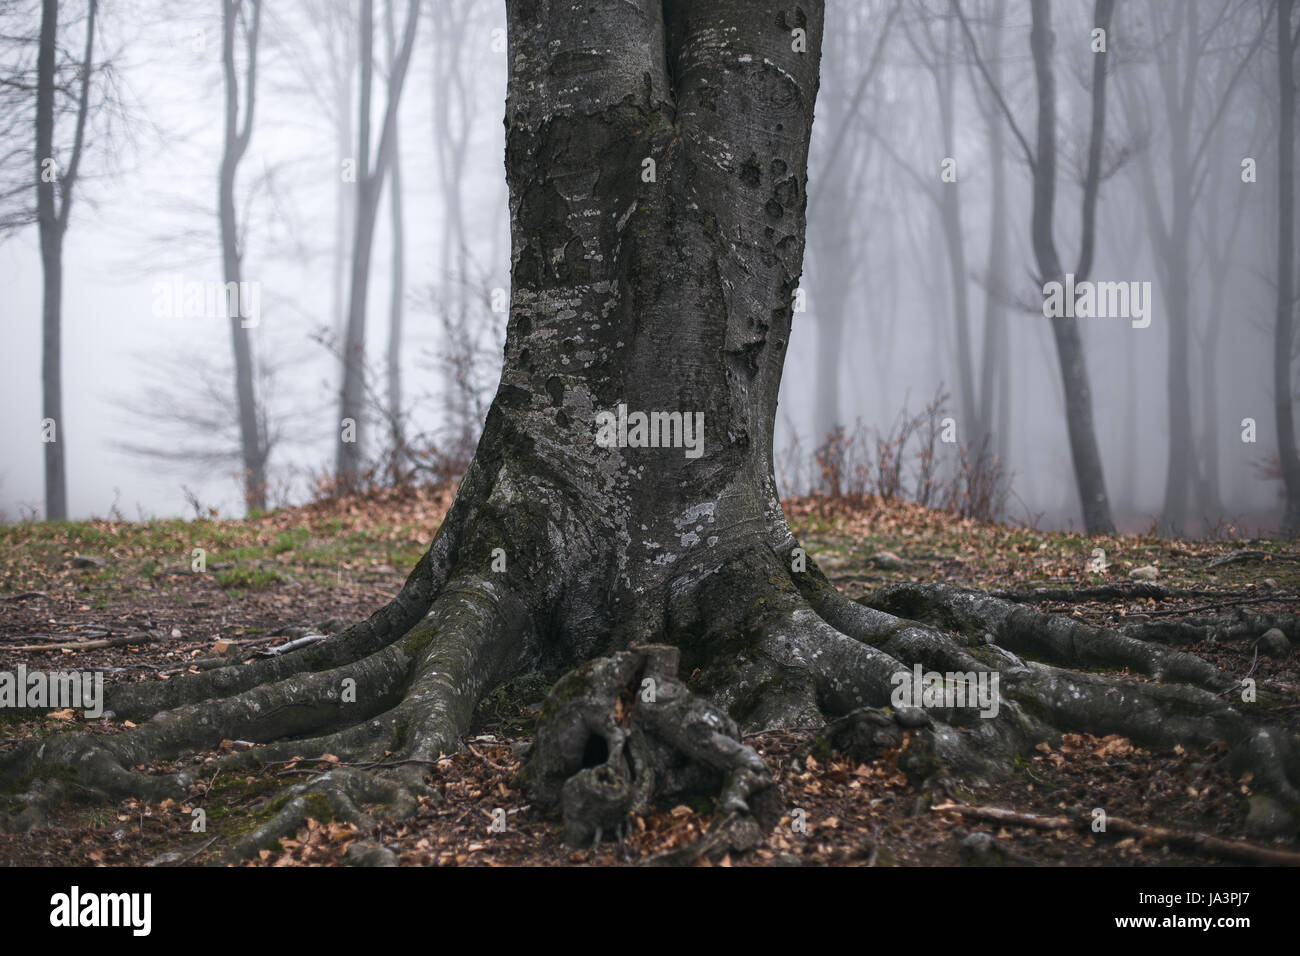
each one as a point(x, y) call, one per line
point(612, 273)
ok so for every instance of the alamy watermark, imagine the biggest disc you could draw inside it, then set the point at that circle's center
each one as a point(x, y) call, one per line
point(174, 298)
point(56, 689)
point(1098, 300)
point(75, 908)
point(952, 689)
point(624, 429)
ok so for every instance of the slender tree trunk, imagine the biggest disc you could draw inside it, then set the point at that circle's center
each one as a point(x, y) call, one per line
point(1208, 493)
point(237, 136)
point(994, 356)
point(1069, 347)
point(56, 493)
point(955, 244)
point(345, 194)
point(398, 280)
point(1179, 472)
point(52, 221)
point(1284, 333)
point(370, 184)
point(830, 354)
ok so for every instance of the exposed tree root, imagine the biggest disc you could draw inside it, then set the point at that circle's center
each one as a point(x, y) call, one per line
point(622, 731)
point(395, 701)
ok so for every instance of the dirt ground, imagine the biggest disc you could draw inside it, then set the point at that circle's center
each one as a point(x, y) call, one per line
point(261, 580)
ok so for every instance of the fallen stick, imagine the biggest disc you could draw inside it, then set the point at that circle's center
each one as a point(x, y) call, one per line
point(1249, 554)
point(1199, 842)
point(1222, 604)
point(141, 638)
point(25, 595)
point(292, 645)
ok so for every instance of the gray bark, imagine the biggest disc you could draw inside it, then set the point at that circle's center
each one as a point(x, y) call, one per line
point(1284, 331)
point(53, 208)
point(252, 439)
point(398, 277)
point(370, 183)
point(1069, 346)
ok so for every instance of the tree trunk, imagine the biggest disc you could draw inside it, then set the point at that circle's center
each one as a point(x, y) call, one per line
point(237, 136)
point(370, 184)
point(830, 354)
point(954, 241)
point(1284, 333)
point(398, 279)
point(994, 354)
point(56, 491)
point(1069, 347)
point(1178, 474)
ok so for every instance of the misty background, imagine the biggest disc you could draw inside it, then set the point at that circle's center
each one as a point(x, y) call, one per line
point(923, 285)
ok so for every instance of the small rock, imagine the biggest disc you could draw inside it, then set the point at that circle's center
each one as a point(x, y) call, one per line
point(887, 561)
point(1267, 817)
point(981, 849)
point(1273, 643)
point(369, 854)
point(1148, 572)
point(88, 561)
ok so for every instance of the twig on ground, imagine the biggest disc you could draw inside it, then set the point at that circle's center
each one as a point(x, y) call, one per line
point(1183, 839)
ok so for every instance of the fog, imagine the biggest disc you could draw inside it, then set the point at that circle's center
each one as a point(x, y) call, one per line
point(922, 272)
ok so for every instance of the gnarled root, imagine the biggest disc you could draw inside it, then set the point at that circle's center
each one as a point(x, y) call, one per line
point(621, 732)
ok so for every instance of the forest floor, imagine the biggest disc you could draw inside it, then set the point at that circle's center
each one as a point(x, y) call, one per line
point(77, 583)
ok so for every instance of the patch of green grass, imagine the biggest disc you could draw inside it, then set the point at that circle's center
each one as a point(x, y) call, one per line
point(247, 578)
point(290, 540)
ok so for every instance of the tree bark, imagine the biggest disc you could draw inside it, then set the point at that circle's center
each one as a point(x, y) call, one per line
point(237, 136)
point(398, 279)
point(994, 351)
point(52, 185)
point(1069, 346)
point(1284, 331)
point(370, 184)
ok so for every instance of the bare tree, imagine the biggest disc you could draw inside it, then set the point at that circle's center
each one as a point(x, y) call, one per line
point(1042, 160)
point(370, 182)
point(937, 55)
point(237, 15)
point(55, 183)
